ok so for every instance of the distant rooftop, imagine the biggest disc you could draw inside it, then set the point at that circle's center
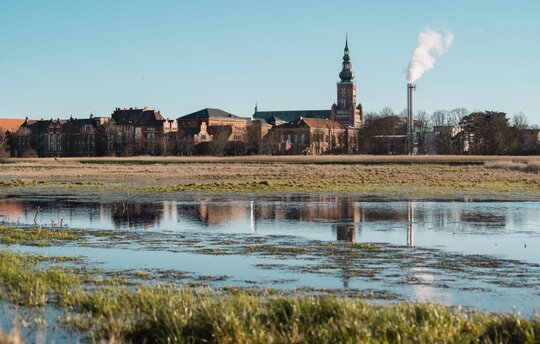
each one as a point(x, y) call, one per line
point(10, 124)
point(210, 113)
point(277, 117)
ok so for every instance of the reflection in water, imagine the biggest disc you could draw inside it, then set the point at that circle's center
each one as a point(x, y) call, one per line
point(346, 233)
point(410, 220)
point(344, 215)
point(252, 217)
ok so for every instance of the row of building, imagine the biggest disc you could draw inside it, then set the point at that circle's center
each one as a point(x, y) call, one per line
point(339, 129)
point(134, 131)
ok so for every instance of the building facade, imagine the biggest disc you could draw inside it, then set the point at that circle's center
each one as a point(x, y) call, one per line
point(134, 131)
point(127, 132)
point(210, 131)
point(311, 136)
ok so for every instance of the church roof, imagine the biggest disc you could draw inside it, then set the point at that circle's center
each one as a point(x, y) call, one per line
point(277, 117)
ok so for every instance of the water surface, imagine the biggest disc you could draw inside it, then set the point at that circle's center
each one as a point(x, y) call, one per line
point(418, 240)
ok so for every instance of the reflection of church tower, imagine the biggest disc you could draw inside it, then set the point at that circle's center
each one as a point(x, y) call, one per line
point(350, 217)
point(345, 111)
point(346, 233)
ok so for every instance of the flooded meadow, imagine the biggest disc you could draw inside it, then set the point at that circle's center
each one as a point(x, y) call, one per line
point(481, 254)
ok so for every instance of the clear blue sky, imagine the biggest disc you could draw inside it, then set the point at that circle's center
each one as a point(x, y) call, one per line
point(62, 58)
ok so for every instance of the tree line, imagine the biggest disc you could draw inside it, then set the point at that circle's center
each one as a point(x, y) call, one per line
point(455, 131)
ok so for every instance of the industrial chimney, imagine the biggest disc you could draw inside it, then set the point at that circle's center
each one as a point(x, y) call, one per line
point(410, 119)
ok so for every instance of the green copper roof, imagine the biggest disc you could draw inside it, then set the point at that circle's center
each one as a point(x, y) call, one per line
point(290, 116)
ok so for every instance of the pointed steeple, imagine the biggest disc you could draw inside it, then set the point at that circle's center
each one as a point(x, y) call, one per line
point(346, 74)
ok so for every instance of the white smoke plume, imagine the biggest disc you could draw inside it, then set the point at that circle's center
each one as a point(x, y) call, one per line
point(430, 43)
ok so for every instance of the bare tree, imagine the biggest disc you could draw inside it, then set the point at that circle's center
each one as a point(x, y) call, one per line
point(440, 118)
point(218, 145)
point(519, 121)
point(387, 112)
point(4, 144)
point(455, 116)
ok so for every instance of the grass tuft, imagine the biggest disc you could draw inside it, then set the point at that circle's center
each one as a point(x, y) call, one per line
point(35, 236)
point(167, 315)
point(23, 282)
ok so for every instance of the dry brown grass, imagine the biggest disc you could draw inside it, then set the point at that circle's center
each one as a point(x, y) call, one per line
point(290, 159)
point(397, 174)
point(530, 166)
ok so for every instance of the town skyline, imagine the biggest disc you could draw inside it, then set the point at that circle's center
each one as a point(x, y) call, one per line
point(76, 59)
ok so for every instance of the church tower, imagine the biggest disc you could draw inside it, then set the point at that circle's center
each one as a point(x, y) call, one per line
point(345, 111)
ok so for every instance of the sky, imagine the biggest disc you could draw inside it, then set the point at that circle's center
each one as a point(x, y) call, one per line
point(62, 58)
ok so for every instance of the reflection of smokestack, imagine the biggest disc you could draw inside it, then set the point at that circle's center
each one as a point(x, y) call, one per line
point(410, 119)
point(410, 220)
point(252, 217)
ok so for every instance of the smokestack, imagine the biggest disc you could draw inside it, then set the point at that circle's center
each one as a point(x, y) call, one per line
point(410, 118)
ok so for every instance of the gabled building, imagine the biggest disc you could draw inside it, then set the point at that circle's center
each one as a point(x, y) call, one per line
point(30, 139)
point(53, 139)
point(141, 131)
point(209, 125)
point(312, 136)
point(84, 137)
point(8, 126)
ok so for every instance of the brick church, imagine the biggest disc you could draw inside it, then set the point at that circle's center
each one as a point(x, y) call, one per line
point(318, 131)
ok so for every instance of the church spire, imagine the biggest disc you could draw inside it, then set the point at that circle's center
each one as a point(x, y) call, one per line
point(346, 74)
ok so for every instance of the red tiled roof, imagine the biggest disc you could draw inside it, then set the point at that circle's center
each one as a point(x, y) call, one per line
point(10, 124)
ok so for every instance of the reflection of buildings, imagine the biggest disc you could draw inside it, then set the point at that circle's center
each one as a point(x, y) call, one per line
point(209, 212)
point(132, 215)
point(344, 214)
point(10, 211)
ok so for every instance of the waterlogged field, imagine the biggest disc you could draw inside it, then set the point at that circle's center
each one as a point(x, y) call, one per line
point(272, 251)
point(475, 254)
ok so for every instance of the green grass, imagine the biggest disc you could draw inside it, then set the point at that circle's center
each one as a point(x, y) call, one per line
point(25, 282)
point(35, 236)
point(168, 315)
